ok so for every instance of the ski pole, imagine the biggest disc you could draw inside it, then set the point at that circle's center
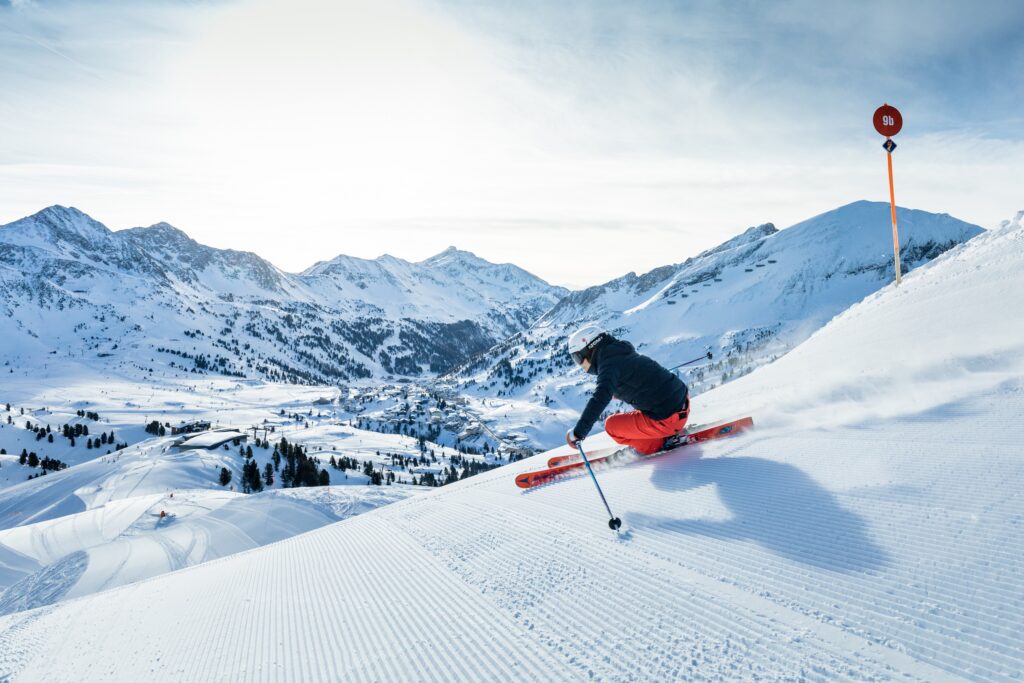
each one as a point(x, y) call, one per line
point(613, 522)
point(706, 356)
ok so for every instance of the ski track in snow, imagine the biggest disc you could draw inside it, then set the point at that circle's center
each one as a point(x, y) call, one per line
point(769, 575)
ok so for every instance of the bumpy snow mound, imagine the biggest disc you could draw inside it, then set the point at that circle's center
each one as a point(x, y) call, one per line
point(868, 529)
point(1015, 221)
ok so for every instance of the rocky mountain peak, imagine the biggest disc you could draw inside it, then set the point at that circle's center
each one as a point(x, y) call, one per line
point(58, 224)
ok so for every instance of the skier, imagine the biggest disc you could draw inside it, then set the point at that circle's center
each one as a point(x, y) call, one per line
point(661, 399)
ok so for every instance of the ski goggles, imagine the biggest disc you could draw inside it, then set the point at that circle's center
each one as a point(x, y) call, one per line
point(579, 356)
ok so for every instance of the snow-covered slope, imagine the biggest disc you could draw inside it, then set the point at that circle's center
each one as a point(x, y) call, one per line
point(750, 300)
point(134, 538)
point(869, 529)
point(146, 469)
point(97, 524)
point(153, 298)
point(128, 540)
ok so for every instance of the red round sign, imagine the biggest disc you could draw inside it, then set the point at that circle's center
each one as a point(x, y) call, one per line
point(888, 120)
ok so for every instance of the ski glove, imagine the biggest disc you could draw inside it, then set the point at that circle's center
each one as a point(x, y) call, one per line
point(571, 439)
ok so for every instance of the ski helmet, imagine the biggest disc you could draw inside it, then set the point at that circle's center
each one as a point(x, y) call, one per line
point(583, 341)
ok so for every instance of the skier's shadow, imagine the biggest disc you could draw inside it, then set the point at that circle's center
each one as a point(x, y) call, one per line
point(773, 504)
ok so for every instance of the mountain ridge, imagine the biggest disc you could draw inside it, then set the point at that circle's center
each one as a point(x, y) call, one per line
point(203, 309)
point(70, 219)
point(150, 285)
point(749, 299)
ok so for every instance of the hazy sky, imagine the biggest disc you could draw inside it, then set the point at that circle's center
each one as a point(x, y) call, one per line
point(580, 140)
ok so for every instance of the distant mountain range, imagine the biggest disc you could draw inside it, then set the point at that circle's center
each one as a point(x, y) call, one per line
point(70, 286)
point(749, 300)
point(153, 300)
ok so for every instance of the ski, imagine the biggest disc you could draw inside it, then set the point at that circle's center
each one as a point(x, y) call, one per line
point(699, 433)
point(559, 465)
point(595, 456)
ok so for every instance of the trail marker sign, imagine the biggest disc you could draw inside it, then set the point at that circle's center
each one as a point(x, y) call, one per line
point(888, 121)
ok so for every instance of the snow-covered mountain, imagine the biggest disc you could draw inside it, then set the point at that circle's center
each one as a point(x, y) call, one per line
point(453, 285)
point(750, 300)
point(867, 529)
point(151, 303)
point(154, 298)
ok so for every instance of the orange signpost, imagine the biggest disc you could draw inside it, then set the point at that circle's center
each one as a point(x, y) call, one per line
point(888, 121)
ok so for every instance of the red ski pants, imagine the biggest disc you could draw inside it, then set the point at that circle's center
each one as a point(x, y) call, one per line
point(640, 432)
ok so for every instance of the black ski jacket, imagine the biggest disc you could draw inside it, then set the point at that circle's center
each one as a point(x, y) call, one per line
point(624, 374)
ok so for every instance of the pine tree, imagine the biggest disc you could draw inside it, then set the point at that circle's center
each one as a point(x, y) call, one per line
point(33, 460)
point(325, 478)
point(225, 476)
point(268, 475)
point(251, 477)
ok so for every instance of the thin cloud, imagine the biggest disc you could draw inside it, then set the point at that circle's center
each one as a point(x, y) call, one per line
point(622, 135)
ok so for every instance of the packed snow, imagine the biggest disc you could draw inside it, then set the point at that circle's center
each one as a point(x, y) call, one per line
point(869, 528)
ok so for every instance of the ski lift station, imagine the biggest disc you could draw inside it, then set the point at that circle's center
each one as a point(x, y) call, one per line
point(184, 427)
point(211, 440)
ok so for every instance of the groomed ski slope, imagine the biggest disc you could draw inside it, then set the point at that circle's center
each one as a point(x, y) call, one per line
point(871, 528)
